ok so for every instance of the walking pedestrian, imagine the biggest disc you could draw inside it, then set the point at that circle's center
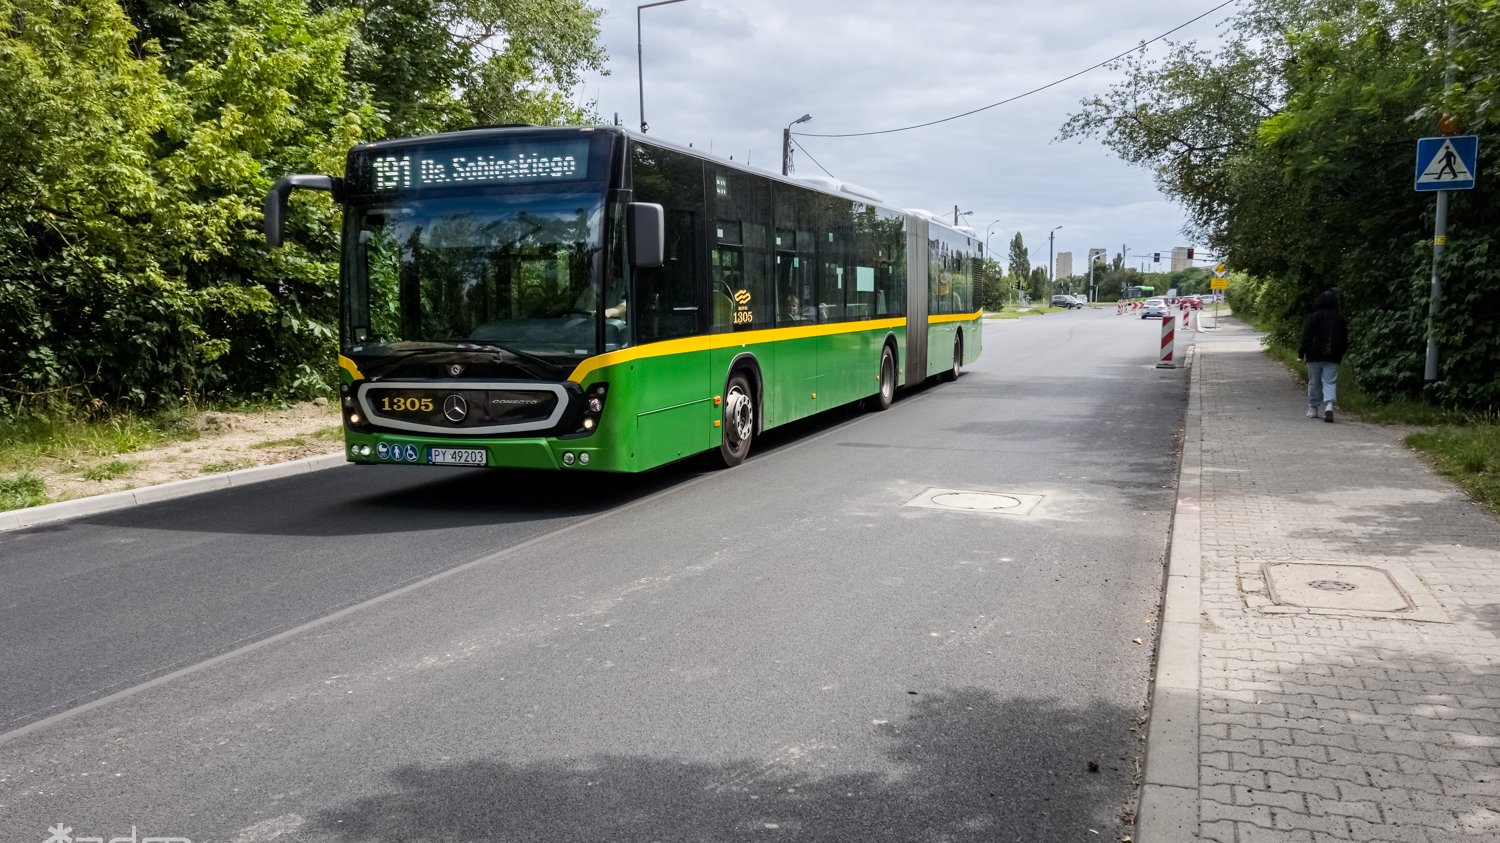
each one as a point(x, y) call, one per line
point(1325, 338)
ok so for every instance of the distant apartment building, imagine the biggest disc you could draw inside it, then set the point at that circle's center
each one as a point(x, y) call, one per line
point(1064, 267)
point(1100, 255)
point(1180, 259)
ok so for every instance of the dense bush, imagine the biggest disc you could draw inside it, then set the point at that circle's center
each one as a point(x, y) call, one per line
point(142, 135)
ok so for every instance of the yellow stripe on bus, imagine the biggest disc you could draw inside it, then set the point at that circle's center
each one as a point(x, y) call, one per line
point(708, 342)
point(954, 317)
point(349, 366)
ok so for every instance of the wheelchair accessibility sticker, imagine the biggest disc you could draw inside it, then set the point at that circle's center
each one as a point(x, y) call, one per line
point(396, 453)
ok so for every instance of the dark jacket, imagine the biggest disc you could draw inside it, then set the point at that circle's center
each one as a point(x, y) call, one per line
point(1325, 335)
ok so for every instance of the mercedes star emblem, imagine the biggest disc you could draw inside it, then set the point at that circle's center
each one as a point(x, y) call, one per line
point(455, 408)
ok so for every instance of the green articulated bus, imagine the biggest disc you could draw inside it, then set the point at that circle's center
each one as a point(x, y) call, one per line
point(589, 299)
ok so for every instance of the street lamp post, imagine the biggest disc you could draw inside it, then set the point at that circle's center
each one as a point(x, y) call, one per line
point(1051, 262)
point(1093, 259)
point(987, 237)
point(640, 74)
point(957, 213)
point(990, 270)
point(786, 143)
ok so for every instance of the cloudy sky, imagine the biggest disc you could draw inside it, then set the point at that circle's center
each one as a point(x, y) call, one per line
point(729, 75)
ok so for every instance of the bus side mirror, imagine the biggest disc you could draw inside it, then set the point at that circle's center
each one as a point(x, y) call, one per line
point(646, 225)
point(274, 207)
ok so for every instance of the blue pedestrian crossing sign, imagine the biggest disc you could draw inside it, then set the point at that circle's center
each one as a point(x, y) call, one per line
point(1448, 163)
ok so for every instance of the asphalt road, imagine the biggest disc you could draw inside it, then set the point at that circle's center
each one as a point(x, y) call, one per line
point(787, 648)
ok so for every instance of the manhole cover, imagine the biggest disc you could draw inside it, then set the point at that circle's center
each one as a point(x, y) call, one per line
point(1358, 588)
point(981, 501)
point(975, 500)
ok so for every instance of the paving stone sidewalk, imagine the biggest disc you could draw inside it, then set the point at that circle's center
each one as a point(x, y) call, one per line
point(1328, 667)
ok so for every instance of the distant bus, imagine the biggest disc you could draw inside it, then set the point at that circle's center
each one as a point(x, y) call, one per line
point(1134, 292)
point(589, 299)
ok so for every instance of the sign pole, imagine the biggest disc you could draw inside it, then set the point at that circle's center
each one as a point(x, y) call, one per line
point(1439, 236)
point(1218, 285)
point(1435, 296)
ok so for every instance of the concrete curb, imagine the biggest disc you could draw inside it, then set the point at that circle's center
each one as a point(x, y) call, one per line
point(20, 518)
point(1168, 809)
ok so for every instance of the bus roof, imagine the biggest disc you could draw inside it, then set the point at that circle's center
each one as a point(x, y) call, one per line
point(818, 183)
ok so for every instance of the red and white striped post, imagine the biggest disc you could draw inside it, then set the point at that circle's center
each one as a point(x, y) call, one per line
point(1168, 323)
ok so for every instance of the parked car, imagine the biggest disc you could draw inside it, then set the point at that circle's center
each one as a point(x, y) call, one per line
point(1065, 301)
point(1155, 309)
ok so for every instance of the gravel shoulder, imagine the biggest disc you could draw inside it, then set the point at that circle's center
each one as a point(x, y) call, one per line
point(225, 441)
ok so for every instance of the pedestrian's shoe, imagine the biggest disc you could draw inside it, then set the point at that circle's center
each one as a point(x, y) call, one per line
point(1312, 412)
point(1328, 412)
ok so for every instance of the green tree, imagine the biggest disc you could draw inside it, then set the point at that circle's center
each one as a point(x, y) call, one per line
point(437, 65)
point(996, 290)
point(132, 270)
point(267, 94)
point(1036, 283)
point(1291, 150)
point(86, 309)
point(1020, 261)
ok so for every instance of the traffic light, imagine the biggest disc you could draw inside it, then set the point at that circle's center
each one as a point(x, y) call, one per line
point(1190, 253)
point(1156, 257)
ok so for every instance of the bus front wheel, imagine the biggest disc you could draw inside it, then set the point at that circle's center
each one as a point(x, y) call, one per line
point(739, 421)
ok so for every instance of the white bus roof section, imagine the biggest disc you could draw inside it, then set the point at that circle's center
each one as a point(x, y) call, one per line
point(841, 187)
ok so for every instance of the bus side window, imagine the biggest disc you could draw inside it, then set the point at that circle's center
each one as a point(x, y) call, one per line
point(667, 297)
point(668, 300)
point(726, 267)
point(833, 245)
point(890, 267)
point(742, 257)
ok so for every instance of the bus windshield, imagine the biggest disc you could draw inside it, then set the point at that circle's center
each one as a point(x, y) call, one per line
point(516, 269)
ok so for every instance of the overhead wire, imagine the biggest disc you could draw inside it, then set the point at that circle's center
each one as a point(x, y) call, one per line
point(812, 159)
point(1137, 48)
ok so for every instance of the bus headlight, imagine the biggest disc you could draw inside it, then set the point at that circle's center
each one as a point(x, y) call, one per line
point(593, 408)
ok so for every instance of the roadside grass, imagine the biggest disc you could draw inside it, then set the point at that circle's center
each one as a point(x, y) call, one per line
point(292, 442)
point(332, 433)
point(26, 438)
point(1463, 446)
point(108, 470)
point(1469, 455)
point(19, 491)
point(226, 465)
point(92, 447)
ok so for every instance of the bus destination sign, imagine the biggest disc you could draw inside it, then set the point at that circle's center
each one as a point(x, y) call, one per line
point(415, 168)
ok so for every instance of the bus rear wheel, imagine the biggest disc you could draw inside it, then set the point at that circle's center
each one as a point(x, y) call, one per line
point(739, 421)
point(887, 394)
point(958, 361)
